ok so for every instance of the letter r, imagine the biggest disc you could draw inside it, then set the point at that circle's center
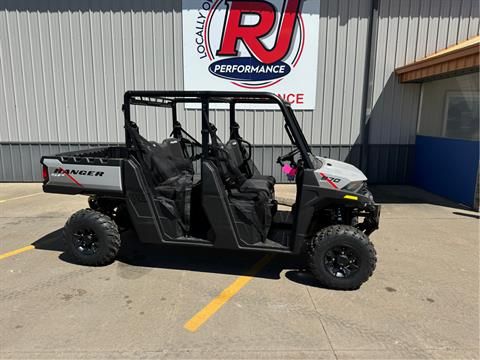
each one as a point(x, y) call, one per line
point(233, 30)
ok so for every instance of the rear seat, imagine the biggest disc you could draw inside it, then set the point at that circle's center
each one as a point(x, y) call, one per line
point(167, 160)
point(170, 172)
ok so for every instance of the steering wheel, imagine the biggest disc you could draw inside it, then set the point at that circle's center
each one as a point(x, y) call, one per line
point(289, 156)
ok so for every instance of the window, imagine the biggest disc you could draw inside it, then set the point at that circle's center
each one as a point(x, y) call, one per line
point(461, 115)
point(450, 108)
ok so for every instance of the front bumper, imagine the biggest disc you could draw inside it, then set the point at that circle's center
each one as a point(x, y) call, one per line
point(371, 220)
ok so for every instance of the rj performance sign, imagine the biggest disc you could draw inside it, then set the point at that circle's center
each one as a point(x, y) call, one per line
point(243, 45)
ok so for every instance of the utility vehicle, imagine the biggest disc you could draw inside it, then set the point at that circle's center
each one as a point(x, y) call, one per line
point(152, 187)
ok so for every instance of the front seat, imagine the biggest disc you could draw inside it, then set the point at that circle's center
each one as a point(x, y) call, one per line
point(234, 149)
point(229, 161)
point(252, 199)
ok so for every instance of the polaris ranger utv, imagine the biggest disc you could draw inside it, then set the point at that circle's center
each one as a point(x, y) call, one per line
point(152, 187)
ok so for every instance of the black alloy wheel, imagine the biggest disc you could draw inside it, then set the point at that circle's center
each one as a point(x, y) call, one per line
point(341, 261)
point(86, 241)
point(341, 257)
point(91, 238)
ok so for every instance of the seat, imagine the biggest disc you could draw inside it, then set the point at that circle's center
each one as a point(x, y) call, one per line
point(251, 199)
point(229, 161)
point(234, 149)
point(168, 161)
point(256, 185)
point(170, 173)
point(175, 147)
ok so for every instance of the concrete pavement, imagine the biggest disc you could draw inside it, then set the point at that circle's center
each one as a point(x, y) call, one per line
point(422, 301)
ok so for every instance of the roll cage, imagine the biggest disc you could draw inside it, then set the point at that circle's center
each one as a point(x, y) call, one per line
point(170, 99)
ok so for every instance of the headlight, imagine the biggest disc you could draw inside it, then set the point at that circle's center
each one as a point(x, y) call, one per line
point(353, 186)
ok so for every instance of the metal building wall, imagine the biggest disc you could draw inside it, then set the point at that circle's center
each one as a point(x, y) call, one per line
point(407, 30)
point(64, 66)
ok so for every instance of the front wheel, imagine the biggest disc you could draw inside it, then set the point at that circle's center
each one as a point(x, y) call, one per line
point(341, 257)
point(92, 238)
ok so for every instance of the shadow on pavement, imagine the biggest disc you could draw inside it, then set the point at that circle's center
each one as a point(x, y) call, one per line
point(52, 241)
point(301, 276)
point(466, 214)
point(196, 259)
point(403, 194)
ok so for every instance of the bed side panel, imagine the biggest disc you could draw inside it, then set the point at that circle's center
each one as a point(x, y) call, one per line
point(74, 178)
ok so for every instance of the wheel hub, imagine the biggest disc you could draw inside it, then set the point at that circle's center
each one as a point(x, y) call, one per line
point(86, 242)
point(341, 261)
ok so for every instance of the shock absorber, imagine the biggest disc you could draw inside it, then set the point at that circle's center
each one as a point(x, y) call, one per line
point(338, 215)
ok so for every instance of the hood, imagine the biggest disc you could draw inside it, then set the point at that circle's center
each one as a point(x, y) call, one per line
point(337, 174)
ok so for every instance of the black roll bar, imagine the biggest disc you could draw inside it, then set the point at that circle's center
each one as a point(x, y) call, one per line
point(171, 98)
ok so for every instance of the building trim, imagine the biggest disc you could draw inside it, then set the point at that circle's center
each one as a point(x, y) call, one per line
point(455, 60)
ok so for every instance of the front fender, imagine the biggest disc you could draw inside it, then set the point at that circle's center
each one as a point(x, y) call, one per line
point(314, 199)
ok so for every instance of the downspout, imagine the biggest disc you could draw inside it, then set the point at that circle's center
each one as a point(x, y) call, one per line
point(367, 96)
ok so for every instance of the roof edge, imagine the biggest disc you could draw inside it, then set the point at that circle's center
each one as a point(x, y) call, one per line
point(447, 61)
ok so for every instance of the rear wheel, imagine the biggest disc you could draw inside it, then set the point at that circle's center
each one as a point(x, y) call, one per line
point(92, 238)
point(341, 257)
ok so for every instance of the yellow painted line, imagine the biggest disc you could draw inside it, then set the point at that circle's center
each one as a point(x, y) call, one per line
point(208, 311)
point(350, 197)
point(15, 252)
point(20, 197)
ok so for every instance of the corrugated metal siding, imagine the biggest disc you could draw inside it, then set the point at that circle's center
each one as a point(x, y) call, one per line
point(65, 66)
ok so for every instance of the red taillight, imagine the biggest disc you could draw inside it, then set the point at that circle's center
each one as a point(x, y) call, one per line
point(45, 173)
